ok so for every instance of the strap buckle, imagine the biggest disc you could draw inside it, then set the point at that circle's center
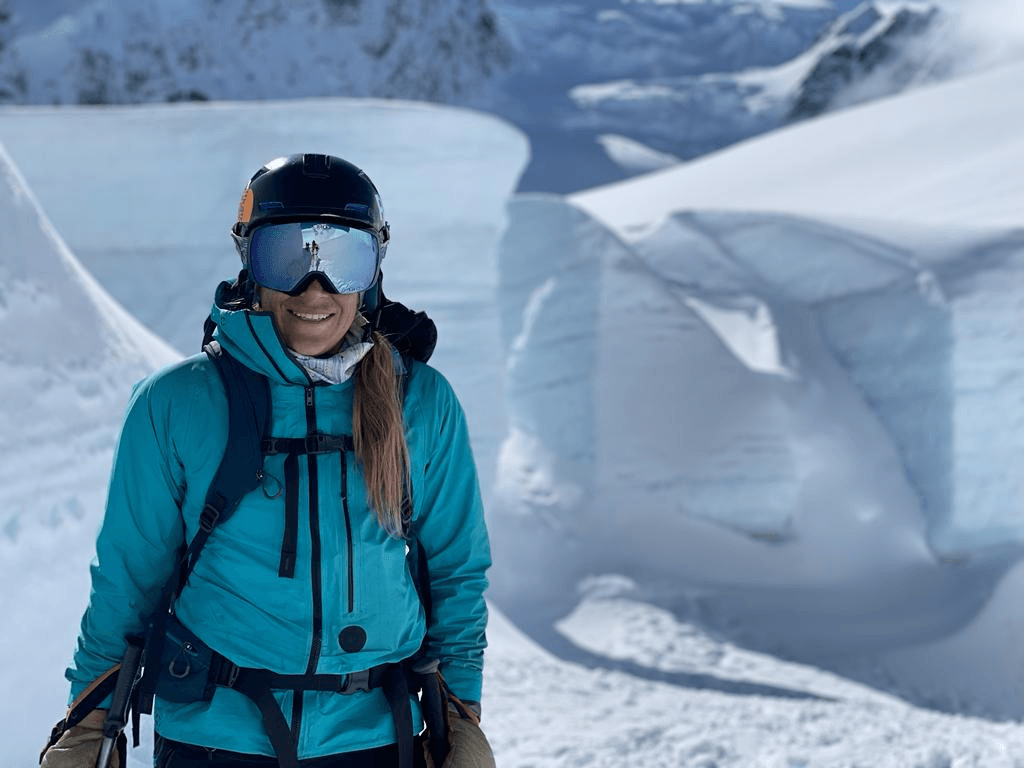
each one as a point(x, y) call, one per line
point(226, 672)
point(356, 681)
point(320, 443)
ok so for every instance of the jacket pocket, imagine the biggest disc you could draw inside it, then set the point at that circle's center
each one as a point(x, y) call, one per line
point(185, 663)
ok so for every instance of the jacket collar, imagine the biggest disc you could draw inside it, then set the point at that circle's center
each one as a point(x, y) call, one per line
point(252, 338)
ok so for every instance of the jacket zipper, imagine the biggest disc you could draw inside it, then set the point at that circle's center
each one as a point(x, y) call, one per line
point(314, 530)
point(315, 583)
point(348, 533)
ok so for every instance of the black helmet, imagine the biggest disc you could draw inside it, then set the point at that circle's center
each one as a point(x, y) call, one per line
point(309, 188)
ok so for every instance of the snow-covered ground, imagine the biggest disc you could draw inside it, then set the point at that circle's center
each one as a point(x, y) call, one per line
point(740, 406)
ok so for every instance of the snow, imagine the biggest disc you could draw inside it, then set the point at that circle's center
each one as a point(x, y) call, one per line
point(887, 453)
point(889, 148)
point(922, 250)
point(748, 427)
point(68, 353)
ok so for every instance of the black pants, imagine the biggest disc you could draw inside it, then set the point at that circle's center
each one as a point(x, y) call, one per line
point(174, 754)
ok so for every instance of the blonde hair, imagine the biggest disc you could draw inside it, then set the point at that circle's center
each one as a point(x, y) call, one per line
point(378, 431)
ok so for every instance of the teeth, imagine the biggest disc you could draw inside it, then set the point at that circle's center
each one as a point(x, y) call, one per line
point(304, 316)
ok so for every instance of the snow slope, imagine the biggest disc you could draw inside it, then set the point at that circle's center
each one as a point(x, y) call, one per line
point(66, 348)
point(544, 713)
point(68, 354)
point(934, 158)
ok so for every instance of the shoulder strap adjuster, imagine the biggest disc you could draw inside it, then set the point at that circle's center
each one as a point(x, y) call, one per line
point(208, 518)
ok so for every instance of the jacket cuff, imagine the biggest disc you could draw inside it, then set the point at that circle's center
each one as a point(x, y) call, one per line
point(465, 683)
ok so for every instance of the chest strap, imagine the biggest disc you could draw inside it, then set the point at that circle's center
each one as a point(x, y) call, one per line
point(293, 447)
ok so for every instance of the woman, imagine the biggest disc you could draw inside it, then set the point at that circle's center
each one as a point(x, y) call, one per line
point(303, 597)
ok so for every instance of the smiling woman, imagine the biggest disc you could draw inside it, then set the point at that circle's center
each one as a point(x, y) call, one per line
point(365, 445)
point(313, 323)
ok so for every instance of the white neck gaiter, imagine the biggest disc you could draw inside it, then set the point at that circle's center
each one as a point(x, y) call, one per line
point(339, 367)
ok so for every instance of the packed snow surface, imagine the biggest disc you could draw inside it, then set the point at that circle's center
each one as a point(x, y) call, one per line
point(744, 483)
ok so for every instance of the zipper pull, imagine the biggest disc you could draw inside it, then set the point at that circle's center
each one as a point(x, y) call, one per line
point(309, 397)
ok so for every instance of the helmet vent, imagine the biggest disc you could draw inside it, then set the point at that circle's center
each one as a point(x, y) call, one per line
point(316, 166)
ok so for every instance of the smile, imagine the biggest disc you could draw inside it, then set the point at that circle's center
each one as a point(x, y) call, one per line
point(311, 318)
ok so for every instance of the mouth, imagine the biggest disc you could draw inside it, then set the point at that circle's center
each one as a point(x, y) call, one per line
point(311, 317)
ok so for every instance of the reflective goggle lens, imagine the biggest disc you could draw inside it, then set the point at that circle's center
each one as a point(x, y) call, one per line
point(282, 255)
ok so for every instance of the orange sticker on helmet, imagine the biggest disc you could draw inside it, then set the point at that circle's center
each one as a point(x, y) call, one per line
point(245, 207)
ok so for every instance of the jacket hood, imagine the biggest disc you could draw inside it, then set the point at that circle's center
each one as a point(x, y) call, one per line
point(252, 338)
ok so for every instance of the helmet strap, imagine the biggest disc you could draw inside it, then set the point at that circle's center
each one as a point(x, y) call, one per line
point(245, 288)
point(373, 301)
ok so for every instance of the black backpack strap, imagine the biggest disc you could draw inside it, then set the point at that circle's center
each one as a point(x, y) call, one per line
point(240, 469)
point(290, 543)
point(239, 472)
point(412, 333)
point(258, 685)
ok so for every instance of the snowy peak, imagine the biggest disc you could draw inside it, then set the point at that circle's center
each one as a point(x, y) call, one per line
point(124, 51)
point(868, 53)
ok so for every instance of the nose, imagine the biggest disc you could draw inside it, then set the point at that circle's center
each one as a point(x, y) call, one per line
point(316, 286)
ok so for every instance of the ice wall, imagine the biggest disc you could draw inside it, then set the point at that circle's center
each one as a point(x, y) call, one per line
point(986, 372)
point(897, 345)
point(675, 410)
point(748, 413)
point(930, 348)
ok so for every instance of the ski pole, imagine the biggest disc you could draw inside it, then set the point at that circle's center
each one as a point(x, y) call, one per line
point(117, 715)
point(434, 712)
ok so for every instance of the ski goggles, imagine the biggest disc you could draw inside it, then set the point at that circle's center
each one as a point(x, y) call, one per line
point(283, 257)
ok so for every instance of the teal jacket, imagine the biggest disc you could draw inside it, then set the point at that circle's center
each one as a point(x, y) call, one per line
point(346, 575)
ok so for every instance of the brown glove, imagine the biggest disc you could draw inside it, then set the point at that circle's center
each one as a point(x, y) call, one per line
point(79, 746)
point(468, 747)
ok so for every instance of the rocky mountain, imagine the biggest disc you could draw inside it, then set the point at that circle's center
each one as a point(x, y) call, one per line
point(736, 70)
point(132, 51)
point(870, 52)
point(604, 89)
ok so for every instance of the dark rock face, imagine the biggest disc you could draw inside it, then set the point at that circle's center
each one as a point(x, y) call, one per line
point(866, 45)
point(138, 51)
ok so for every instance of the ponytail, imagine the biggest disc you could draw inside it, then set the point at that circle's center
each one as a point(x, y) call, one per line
point(378, 431)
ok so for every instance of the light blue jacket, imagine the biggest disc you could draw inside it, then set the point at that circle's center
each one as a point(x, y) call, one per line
point(171, 444)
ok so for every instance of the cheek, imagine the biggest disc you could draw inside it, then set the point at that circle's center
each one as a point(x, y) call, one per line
point(348, 309)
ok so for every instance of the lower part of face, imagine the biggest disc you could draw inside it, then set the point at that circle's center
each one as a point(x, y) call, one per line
point(313, 323)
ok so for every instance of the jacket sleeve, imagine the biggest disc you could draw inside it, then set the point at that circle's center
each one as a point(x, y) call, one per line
point(451, 528)
point(139, 540)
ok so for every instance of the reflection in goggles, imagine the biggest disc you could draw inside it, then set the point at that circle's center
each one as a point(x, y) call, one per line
point(281, 256)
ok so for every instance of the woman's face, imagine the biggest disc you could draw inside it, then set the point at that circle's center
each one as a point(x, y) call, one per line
point(314, 322)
